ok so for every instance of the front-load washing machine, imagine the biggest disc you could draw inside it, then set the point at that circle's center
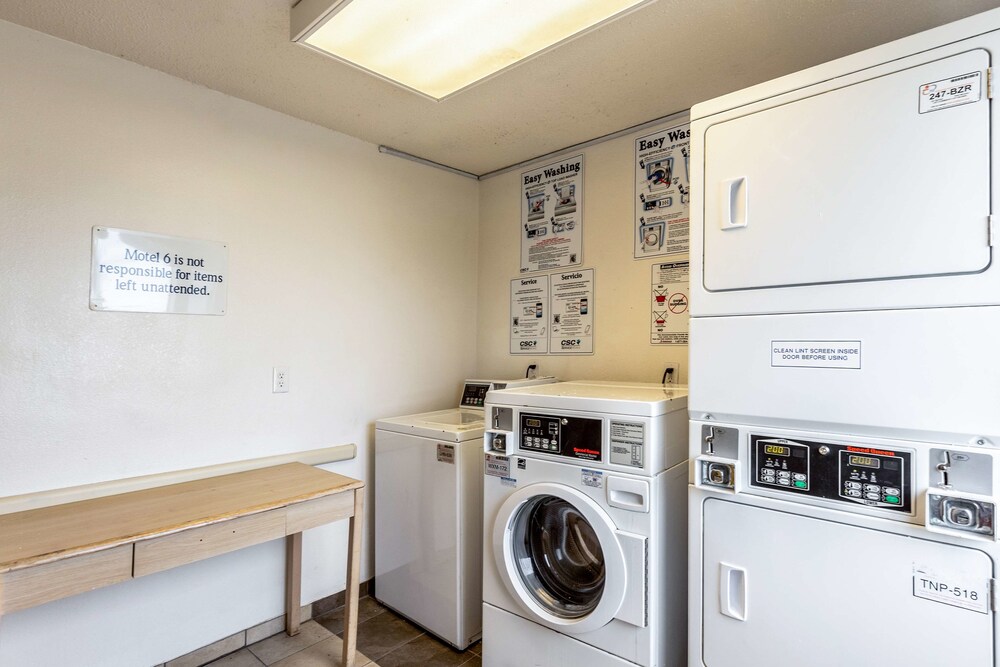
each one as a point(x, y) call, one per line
point(428, 518)
point(584, 526)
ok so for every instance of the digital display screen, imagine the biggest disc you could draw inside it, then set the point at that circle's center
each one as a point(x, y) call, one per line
point(533, 423)
point(863, 461)
point(778, 450)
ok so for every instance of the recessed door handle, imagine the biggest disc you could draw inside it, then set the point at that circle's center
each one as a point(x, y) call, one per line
point(734, 203)
point(733, 591)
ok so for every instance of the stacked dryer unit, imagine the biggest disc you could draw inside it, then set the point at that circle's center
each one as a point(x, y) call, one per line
point(845, 373)
point(584, 526)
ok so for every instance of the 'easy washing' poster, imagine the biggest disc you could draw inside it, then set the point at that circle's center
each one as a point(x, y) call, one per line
point(552, 216)
point(662, 192)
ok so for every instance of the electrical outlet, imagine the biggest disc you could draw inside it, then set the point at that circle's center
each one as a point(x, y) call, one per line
point(279, 380)
point(674, 376)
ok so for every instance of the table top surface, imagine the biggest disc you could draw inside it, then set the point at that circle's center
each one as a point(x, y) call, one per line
point(48, 534)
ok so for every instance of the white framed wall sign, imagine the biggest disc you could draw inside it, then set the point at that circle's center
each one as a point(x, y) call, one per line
point(572, 328)
point(670, 286)
point(662, 192)
point(529, 314)
point(144, 272)
point(552, 216)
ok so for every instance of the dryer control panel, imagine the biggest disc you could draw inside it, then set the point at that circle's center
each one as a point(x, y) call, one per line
point(858, 474)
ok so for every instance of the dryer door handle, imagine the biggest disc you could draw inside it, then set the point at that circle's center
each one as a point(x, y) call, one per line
point(733, 591)
point(735, 198)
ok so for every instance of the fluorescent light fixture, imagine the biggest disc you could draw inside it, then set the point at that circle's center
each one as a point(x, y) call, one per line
point(439, 47)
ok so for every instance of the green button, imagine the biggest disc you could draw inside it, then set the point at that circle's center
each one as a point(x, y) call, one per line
point(801, 484)
point(892, 499)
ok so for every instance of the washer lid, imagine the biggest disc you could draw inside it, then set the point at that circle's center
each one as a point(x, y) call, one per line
point(623, 398)
point(454, 424)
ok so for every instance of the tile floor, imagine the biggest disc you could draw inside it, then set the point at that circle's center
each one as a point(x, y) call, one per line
point(384, 640)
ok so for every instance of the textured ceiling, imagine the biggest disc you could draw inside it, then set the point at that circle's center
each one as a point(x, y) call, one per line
point(653, 62)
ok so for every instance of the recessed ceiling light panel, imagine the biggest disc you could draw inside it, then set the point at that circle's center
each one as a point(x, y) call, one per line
point(439, 47)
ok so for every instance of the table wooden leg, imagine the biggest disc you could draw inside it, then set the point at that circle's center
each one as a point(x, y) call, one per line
point(293, 582)
point(353, 574)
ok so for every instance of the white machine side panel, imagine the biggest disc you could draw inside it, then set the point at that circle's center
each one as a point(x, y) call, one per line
point(417, 514)
point(824, 594)
point(934, 352)
point(470, 459)
point(852, 184)
point(516, 642)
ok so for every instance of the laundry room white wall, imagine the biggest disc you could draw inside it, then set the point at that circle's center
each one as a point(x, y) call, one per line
point(622, 350)
point(349, 267)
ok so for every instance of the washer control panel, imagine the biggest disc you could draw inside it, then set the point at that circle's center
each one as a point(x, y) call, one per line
point(857, 474)
point(573, 437)
point(474, 395)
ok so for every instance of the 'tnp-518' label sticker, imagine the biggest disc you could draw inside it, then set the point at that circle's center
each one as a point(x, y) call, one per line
point(955, 589)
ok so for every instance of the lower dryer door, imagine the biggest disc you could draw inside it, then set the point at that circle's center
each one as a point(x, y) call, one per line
point(789, 590)
point(558, 554)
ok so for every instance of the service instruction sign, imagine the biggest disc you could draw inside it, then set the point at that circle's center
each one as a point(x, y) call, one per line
point(816, 354)
point(552, 216)
point(662, 193)
point(529, 315)
point(572, 328)
point(153, 273)
point(670, 297)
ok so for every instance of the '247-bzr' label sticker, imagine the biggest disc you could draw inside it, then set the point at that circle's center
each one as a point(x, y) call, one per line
point(953, 92)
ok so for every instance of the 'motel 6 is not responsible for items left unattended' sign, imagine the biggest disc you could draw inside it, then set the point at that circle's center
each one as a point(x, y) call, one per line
point(153, 273)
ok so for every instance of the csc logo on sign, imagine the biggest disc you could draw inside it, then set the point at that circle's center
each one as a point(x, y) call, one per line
point(570, 343)
point(528, 343)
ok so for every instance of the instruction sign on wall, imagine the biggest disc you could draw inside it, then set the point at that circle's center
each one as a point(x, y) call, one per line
point(572, 330)
point(153, 273)
point(670, 298)
point(662, 192)
point(552, 216)
point(552, 314)
point(529, 315)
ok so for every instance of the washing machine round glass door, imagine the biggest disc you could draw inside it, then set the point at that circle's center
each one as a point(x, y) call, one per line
point(559, 557)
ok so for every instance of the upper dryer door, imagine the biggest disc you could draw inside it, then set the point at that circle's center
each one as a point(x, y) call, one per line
point(879, 178)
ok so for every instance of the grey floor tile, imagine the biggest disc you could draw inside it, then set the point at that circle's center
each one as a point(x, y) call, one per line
point(242, 658)
point(262, 631)
point(334, 620)
point(273, 649)
point(380, 634)
point(326, 653)
point(210, 652)
point(424, 650)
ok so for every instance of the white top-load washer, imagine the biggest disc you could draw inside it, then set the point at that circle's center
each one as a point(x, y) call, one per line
point(585, 525)
point(428, 516)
